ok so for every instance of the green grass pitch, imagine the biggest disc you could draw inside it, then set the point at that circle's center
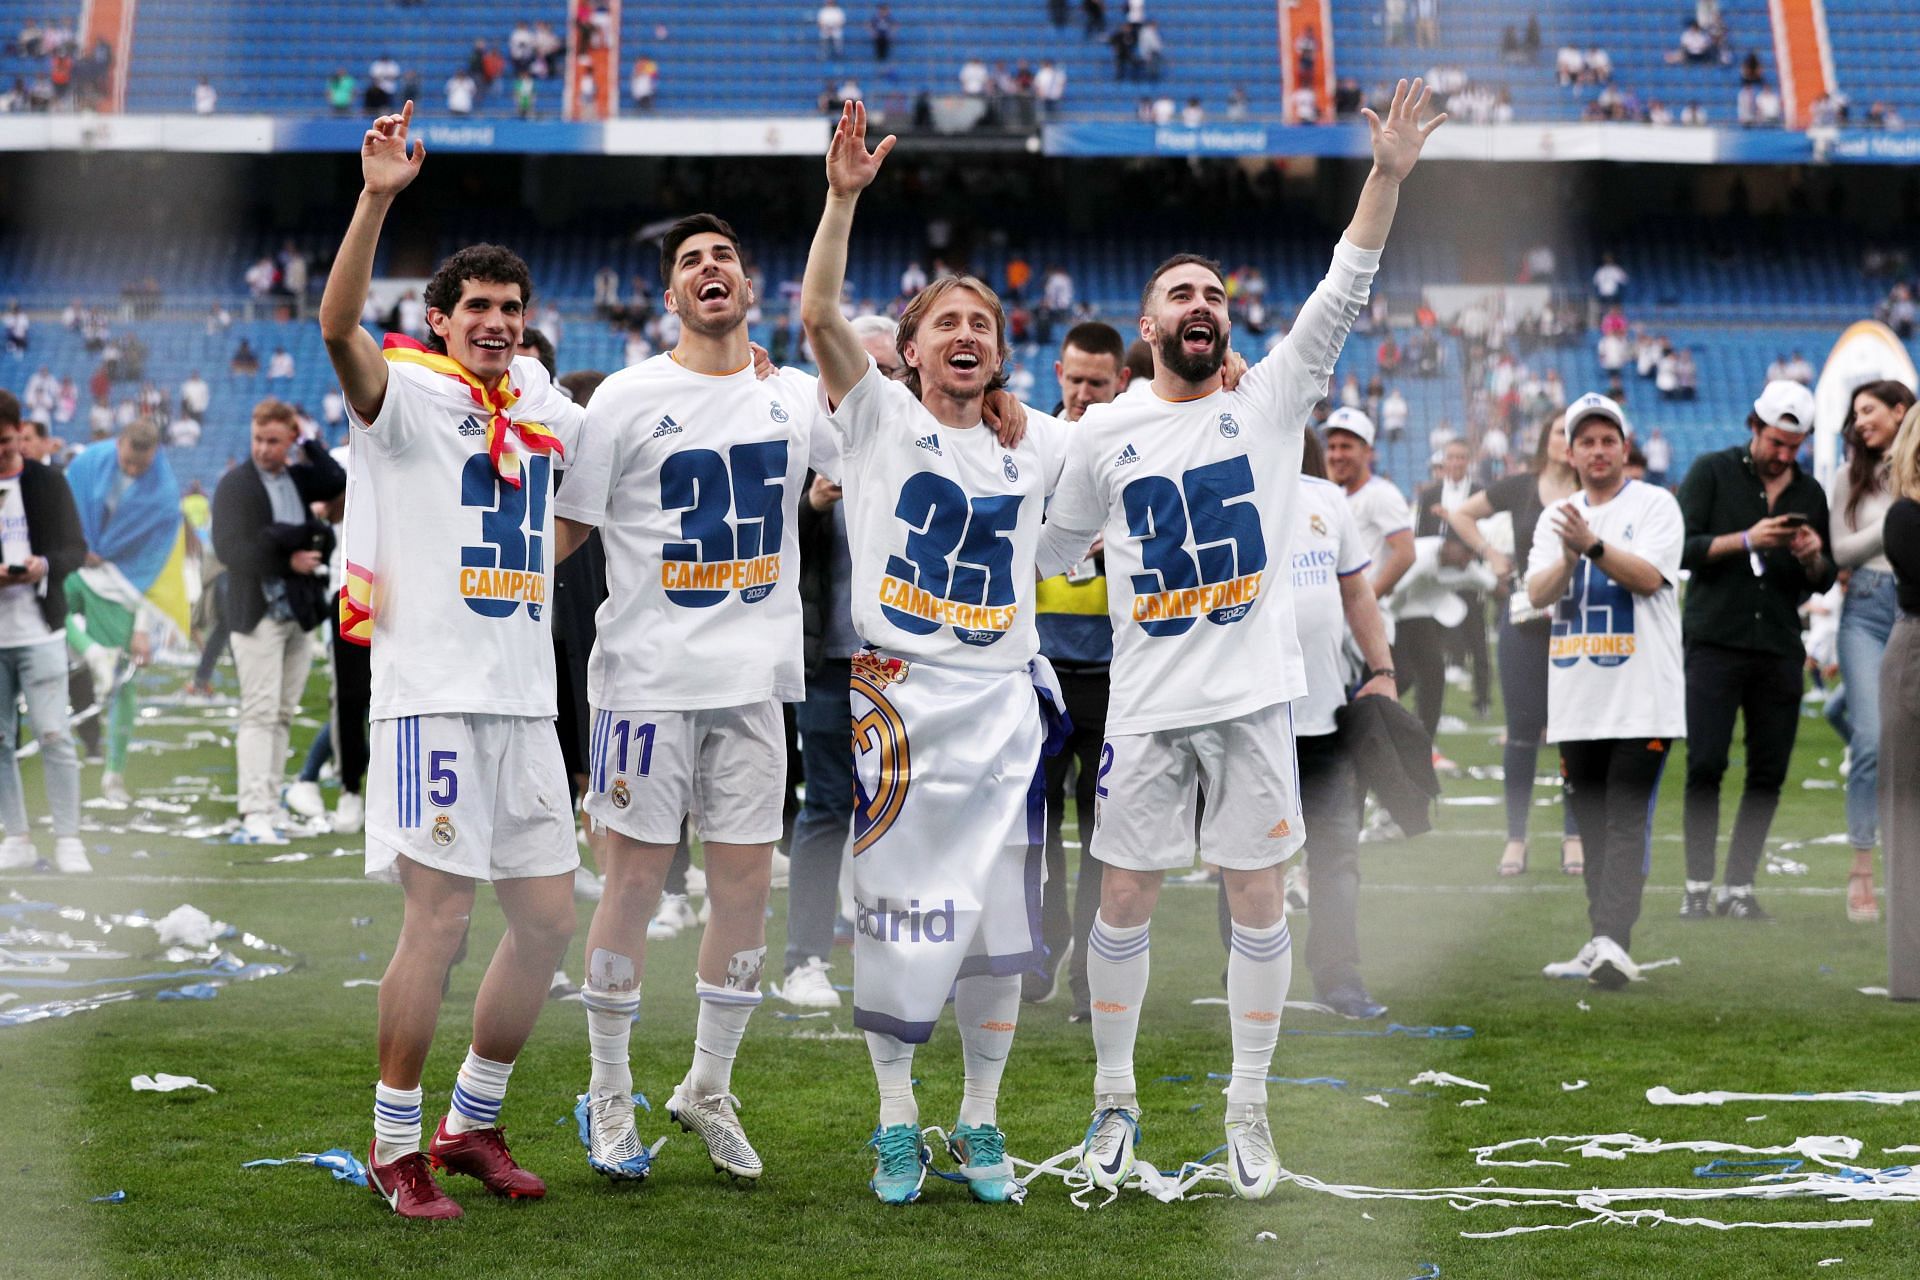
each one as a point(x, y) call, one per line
point(1751, 1007)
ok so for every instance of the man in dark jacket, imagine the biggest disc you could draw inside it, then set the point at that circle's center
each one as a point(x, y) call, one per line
point(40, 544)
point(1756, 547)
point(275, 551)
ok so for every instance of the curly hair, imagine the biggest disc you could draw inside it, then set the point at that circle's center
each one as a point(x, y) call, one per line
point(487, 263)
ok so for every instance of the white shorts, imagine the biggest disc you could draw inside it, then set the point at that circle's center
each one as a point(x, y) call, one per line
point(478, 796)
point(648, 770)
point(949, 828)
point(1144, 800)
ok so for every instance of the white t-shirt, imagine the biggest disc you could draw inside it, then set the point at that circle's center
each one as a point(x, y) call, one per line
point(1380, 511)
point(695, 483)
point(1326, 548)
point(943, 526)
point(1196, 504)
point(462, 559)
point(1615, 666)
point(21, 622)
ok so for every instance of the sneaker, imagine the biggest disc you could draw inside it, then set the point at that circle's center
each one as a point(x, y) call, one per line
point(1038, 985)
point(671, 918)
point(613, 1147)
point(586, 885)
point(1581, 966)
point(782, 872)
point(712, 1120)
point(900, 1163)
point(808, 986)
point(705, 912)
point(1612, 967)
point(100, 660)
point(1106, 1154)
point(482, 1154)
point(1296, 886)
point(1441, 764)
point(561, 987)
point(1744, 906)
point(17, 853)
point(408, 1186)
point(1696, 905)
point(696, 882)
point(1251, 1161)
point(113, 789)
point(349, 814)
point(981, 1152)
point(304, 798)
point(70, 856)
point(1353, 1002)
point(260, 828)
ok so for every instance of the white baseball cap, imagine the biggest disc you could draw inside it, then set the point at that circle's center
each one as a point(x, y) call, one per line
point(1353, 422)
point(1595, 405)
point(1783, 400)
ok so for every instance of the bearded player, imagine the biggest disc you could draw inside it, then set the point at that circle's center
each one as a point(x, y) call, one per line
point(1193, 489)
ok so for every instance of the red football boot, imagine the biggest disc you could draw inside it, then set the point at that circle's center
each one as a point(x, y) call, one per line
point(483, 1154)
point(408, 1187)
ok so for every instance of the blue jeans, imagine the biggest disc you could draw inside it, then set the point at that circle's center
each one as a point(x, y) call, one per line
point(825, 721)
point(1866, 620)
point(40, 672)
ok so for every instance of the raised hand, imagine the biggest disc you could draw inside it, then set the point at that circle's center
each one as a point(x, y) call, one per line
point(851, 168)
point(385, 165)
point(1398, 138)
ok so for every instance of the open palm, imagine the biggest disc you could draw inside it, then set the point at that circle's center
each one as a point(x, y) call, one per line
point(851, 168)
point(385, 165)
point(1398, 138)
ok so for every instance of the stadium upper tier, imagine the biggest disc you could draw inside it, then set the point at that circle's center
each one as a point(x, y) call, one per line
point(1876, 45)
point(1636, 34)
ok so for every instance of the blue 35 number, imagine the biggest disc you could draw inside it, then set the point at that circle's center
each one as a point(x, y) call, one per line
point(512, 521)
point(747, 484)
point(1226, 536)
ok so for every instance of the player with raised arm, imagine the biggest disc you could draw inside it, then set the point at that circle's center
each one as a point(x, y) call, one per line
point(943, 519)
point(692, 467)
point(447, 524)
point(1193, 489)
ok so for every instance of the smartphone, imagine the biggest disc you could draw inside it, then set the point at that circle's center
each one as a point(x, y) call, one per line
point(1794, 519)
point(16, 571)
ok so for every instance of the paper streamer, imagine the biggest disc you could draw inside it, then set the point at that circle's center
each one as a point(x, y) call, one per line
point(1661, 1096)
point(342, 1164)
point(1444, 1080)
point(161, 1082)
point(1575, 1087)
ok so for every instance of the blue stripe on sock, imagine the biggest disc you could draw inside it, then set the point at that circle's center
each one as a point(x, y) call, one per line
point(732, 997)
point(486, 1110)
point(1107, 947)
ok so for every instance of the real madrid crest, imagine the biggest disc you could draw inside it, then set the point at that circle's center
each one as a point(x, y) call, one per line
point(1013, 472)
point(620, 796)
point(1228, 427)
point(776, 412)
point(443, 832)
point(1318, 525)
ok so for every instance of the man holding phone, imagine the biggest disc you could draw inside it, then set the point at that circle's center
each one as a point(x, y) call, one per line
point(1756, 547)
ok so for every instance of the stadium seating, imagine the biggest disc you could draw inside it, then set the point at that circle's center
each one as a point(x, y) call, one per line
point(1875, 46)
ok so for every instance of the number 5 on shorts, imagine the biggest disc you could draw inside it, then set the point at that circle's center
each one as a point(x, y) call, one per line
point(445, 783)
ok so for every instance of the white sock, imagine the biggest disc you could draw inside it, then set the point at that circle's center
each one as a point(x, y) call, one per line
point(477, 1093)
point(1259, 971)
point(396, 1122)
point(1699, 886)
point(986, 1007)
point(1116, 984)
point(716, 1036)
point(893, 1072)
point(610, 1017)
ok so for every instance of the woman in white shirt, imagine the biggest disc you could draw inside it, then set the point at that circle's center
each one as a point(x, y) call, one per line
point(1859, 500)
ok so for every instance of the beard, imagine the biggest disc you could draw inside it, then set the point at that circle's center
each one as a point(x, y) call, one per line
point(1189, 366)
point(712, 326)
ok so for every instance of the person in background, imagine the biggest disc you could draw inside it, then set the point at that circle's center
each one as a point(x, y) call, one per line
point(40, 544)
point(1900, 718)
point(1858, 499)
point(1524, 633)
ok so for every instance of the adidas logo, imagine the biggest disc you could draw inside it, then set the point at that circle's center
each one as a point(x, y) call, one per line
point(1127, 455)
point(667, 427)
point(931, 444)
point(472, 426)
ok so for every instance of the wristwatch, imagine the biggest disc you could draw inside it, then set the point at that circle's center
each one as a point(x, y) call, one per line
point(1595, 551)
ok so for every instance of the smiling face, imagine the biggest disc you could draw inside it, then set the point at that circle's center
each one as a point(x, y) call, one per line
point(709, 289)
point(1349, 459)
point(1875, 422)
point(1186, 321)
point(953, 340)
point(484, 328)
